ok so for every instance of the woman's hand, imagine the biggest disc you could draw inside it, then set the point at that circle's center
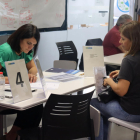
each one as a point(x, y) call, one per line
point(114, 74)
point(107, 81)
point(32, 78)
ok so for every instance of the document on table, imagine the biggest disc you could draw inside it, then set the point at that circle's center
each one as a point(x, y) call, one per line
point(64, 77)
point(49, 85)
point(38, 85)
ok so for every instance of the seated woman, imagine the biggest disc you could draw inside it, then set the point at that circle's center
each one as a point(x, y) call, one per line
point(20, 45)
point(128, 86)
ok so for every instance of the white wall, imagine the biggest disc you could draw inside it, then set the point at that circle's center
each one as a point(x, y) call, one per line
point(47, 49)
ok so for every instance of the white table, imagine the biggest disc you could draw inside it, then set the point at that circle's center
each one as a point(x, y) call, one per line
point(64, 88)
point(114, 59)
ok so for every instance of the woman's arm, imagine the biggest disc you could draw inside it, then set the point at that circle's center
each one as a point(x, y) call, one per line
point(31, 67)
point(119, 88)
point(32, 70)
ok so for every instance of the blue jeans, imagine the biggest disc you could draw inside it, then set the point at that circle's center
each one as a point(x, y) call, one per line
point(111, 109)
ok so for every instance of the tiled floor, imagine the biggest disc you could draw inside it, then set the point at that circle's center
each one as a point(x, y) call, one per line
point(118, 132)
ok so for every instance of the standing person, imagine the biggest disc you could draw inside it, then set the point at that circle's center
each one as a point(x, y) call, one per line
point(20, 45)
point(111, 43)
point(128, 86)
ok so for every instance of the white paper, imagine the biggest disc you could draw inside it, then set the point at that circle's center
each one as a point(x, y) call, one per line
point(36, 85)
point(42, 13)
point(49, 85)
point(64, 77)
point(99, 72)
point(93, 57)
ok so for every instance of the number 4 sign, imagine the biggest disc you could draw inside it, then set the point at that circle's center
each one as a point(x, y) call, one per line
point(18, 79)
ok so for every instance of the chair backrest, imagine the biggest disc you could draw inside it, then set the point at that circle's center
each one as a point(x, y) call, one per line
point(3, 39)
point(93, 42)
point(66, 117)
point(90, 42)
point(67, 51)
point(64, 64)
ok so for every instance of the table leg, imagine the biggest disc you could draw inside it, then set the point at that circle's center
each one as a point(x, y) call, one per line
point(80, 92)
point(1, 125)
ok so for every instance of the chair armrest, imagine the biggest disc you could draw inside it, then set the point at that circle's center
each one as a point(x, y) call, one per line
point(129, 125)
point(95, 116)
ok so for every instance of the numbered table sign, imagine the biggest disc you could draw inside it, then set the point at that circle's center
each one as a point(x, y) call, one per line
point(19, 80)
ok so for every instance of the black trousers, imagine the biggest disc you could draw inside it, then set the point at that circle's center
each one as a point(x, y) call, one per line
point(27, 118)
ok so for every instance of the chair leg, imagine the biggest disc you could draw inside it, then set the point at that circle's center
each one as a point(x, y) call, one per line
point(80, 92)
point(1, 125)
point(109, 131)
point(135, 135)
point(5, 126)
point(18, 138)
point(92, 130)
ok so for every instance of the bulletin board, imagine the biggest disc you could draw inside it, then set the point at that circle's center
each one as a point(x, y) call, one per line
point(45, 14)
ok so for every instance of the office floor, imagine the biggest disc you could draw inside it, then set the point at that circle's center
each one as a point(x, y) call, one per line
point(118, 132)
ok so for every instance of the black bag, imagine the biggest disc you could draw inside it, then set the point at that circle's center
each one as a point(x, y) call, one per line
point(108, 94)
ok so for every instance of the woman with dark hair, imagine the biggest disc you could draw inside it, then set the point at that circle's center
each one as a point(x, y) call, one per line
point(20, 45)
point(127, 108)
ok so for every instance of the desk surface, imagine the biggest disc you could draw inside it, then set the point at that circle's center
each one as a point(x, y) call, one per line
point(114, 59)
point(64, 88)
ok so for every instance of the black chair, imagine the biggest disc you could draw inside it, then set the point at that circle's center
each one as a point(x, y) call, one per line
point(90, 42)
point(67, 51)
point(3, 39)
point(65, 117)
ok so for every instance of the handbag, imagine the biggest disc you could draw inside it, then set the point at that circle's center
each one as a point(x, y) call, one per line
point(108, 94)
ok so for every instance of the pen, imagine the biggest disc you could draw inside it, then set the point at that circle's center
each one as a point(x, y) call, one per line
point(9, 90)
point(6, 96)
point(34, 90)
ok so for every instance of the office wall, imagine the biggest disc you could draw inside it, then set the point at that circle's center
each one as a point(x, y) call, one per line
point(48, 51)
point(79, 33)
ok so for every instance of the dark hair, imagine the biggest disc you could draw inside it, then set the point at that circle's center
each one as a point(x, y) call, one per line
point(131, 31)
point(23, 32)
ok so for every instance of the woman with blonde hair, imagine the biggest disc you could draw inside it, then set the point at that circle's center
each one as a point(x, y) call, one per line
point(127, 108)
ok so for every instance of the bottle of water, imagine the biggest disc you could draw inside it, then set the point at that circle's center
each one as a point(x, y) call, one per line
point(2, 86)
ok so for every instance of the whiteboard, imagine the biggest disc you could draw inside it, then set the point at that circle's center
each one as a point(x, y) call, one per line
point(42, 13)
point(88, 13)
